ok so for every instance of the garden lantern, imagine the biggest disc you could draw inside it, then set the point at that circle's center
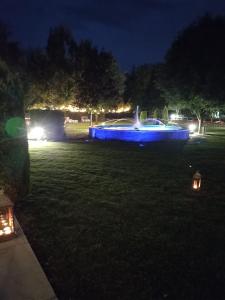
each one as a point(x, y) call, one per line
point(196, 181)
point(7, 229)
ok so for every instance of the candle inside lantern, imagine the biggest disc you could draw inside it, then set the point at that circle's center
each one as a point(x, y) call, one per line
point(6, 223)
point(6, 217)
point(196, 181)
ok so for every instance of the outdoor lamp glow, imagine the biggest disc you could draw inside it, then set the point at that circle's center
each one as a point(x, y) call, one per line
point(173, 117)
point(192, 127)
point(7, 228)
point(36, 133)
point(196, 181)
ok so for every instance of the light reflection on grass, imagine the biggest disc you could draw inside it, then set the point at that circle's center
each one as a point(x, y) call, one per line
point(38, 144)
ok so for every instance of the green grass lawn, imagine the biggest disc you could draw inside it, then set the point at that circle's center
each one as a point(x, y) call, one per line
point(114, 220)
point(78, 130)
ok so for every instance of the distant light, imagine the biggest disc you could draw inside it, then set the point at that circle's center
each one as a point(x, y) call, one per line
point(192, 127)
point(36, 133)
point(173, 117)
point(176, 117)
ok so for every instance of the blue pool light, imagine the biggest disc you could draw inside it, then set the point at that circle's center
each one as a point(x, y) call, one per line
point(145, 133)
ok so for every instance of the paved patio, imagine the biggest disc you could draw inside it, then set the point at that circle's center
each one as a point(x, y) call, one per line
point(21, 276)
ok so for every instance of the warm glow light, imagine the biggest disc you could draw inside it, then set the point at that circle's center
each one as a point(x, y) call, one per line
point(196, 181)
point(122, 108)
point(72, 108)
point(11, 224)
point(6, 217)
point(7, 230)
point(36, 133)
point(7, 226)
point(195, 185)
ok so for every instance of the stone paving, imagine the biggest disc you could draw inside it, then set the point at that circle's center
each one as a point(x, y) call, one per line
point(21, 276)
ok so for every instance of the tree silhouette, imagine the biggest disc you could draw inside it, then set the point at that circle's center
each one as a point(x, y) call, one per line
point(194, 69)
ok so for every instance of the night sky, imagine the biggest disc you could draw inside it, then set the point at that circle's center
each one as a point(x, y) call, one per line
point(136, 32)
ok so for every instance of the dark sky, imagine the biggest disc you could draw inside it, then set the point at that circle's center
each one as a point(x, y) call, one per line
point(136, 32)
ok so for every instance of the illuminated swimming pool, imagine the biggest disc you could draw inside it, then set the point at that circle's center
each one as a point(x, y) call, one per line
point(150, 131)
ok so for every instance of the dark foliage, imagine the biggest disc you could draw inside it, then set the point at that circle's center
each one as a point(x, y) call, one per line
point(194, 70)
point(141, 88)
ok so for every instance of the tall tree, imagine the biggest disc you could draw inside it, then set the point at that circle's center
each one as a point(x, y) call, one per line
point(194, 70)
point(141, 88)
point(37, 77)
point(50, 71)
point(9, 50)
point(111, 81)
point(60, 46)
point(67, 73)
point(98, 79)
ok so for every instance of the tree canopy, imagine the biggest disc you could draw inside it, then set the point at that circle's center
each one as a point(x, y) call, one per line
point(67, 72)
point(141, 88)
point(98, 79)
point(194, 71)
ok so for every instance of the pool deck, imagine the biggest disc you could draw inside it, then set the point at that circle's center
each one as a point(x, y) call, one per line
point(21, 276)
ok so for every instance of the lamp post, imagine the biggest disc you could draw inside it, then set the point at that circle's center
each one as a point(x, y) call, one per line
point(196, 181)
point(7, 228)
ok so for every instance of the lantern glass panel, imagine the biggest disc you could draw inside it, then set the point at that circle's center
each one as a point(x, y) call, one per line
point(6, 221)
point(6, 217)
point(196, 182)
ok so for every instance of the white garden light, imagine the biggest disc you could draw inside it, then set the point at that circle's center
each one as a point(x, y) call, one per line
point(192, 127)
point(36, 133)
point(173, 117)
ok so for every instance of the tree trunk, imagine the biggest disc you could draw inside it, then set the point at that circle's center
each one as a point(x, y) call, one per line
point(165, 114)
point(155, 114)
point(199, 123)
